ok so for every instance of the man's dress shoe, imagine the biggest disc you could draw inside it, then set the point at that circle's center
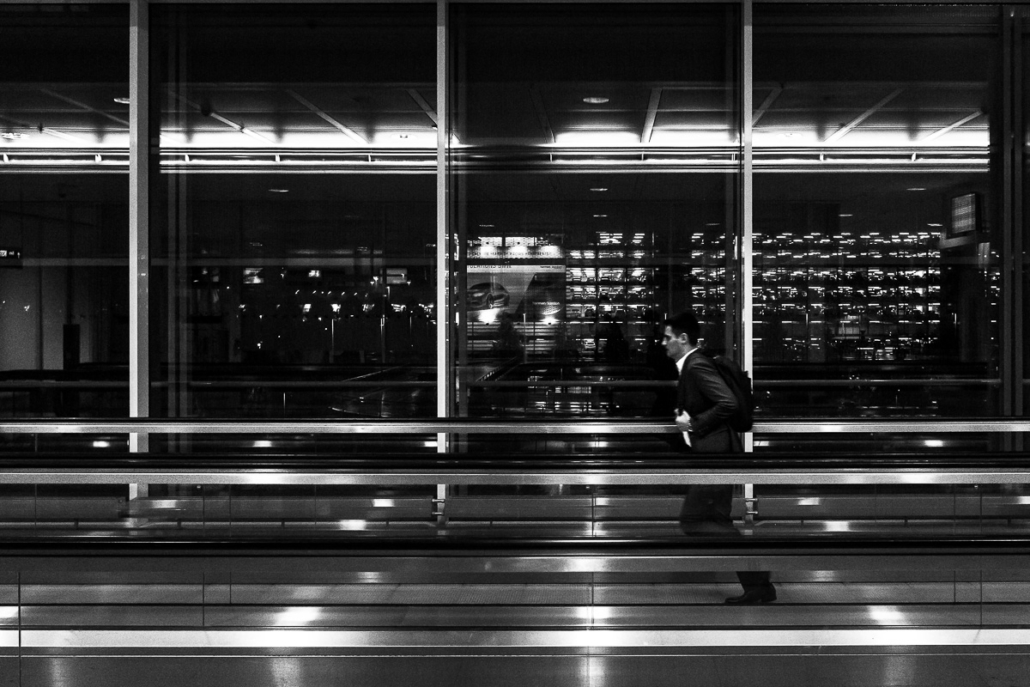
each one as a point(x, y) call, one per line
point(754, 596)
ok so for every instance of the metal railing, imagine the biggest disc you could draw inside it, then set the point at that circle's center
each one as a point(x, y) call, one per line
point(486, 426)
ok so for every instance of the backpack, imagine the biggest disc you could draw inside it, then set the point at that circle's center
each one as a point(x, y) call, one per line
point(739, 383)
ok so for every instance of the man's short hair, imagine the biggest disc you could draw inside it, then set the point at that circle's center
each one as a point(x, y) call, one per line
point(685, 323)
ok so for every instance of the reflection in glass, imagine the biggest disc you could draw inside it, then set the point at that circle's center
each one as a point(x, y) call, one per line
point(595, 192)
point(63, 216)
point(877, 235)
point(295, 227)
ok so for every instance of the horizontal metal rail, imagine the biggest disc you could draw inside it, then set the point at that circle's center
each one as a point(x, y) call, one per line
point(795, 384)
point(435, 426)
point(457, 476)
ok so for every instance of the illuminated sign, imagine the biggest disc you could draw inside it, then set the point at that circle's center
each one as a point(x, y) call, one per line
point(10, 257)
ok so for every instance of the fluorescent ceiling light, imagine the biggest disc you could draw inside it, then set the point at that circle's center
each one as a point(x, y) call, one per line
point(598, 139)
point(595, 100)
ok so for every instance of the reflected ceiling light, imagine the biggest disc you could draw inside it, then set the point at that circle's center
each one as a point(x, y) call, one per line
point(122, 101)
point(301, 615)
point(595, 100)
point(254, 134)
point(598, 139)
point(13, 136)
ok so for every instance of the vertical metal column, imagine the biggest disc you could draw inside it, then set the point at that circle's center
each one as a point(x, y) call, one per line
point(445, 377)
point(139, 224)
point(747, 278)
point(1017, 309)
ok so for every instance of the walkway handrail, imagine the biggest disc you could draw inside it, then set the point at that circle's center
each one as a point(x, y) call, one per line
point(493, 426)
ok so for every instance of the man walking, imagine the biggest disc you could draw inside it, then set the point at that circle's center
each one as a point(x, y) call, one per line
point(704, 405)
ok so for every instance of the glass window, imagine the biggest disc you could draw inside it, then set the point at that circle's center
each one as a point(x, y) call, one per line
point(876, 211)
point(64, 338)
point(595, 191)
point(295, 220)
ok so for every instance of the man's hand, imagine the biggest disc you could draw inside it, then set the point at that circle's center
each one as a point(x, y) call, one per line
point(683, 422)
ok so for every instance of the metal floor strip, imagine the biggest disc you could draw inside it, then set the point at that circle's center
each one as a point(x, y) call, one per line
point(599, 639)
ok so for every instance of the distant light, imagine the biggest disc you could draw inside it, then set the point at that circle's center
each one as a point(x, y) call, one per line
point(916, 188)
point(595, 100)
point(845, 214)
point(934, 443)
point(122, 101)
point(598, 189)
point(278, 190)
point(600, 216)
point(100, 443)
point(262, 443)
point(934, 224)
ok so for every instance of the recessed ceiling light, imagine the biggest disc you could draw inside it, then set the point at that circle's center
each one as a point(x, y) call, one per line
point(13, 135)
point(599, 189)
point(122, 101)
point(595, 100)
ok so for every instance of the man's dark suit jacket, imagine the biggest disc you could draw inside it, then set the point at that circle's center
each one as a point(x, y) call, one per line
point(703, 394)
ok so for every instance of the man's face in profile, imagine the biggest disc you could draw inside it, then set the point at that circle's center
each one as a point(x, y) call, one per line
point(675, 344)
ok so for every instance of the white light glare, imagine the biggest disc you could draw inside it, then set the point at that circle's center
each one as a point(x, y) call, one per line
point(598, 139)
point(303, 615)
